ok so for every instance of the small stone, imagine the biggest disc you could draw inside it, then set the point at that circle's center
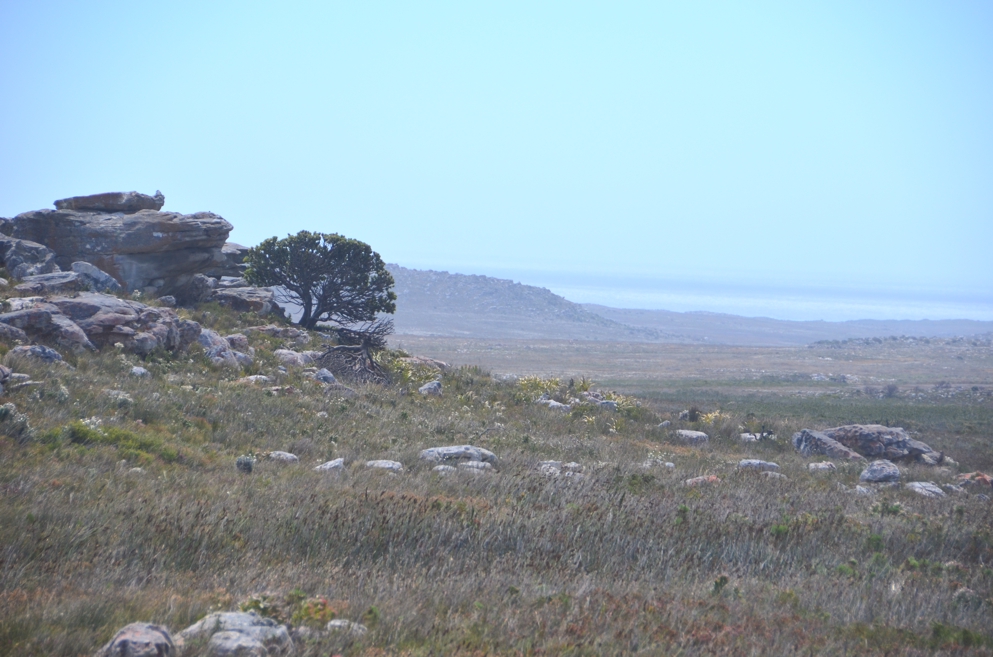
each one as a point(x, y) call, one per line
point(339, 624)
point(168, 301)
point(822, 466)
point(283, 457)
point(863, 490)
point(692, 437)
point(926, 488)
point(290, 358)
point(706, 479)
point(255, 379)
point(384, 464)
point(880, 471)
point(36, 352)
point(324, 376)
point(756, 464)
point(432, 388)
point(331, 466)
point(245, 464)
point(554, 405)
point(664, 424)
point(774, 475)
point(670, 465)
point(140, 371)
point(458, 453)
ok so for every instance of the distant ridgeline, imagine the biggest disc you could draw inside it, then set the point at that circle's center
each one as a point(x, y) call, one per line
point(443, 304)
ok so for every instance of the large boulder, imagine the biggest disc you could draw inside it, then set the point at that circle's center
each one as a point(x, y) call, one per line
point(878, 441)
point(140, 640)
point(817, 443)
point(126, 202)
point(154, 252)
point(45, 321)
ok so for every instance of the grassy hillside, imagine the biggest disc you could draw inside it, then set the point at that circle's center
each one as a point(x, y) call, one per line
point(625, 559)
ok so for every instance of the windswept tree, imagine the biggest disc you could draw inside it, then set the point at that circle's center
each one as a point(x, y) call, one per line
point(331, 277)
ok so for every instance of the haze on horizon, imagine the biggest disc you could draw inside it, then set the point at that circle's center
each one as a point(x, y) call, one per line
point(636, 152)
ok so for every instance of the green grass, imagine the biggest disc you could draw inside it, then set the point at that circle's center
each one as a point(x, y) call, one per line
point(623, 560)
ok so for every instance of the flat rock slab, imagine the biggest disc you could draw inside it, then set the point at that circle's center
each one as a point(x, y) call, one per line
point(140, 640)
point(880, 471)
point(259, 300)
point(126, 202)
point(823, 466)
point(756, 464)
point(692, 437)
point(458, 453)
point(384, 464)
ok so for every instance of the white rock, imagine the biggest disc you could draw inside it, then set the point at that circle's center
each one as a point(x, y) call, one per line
point(692, 437)
point(822, 466)
point(756, 464)
point(926, 488)
point(443, 469)
point(432, 388)
point(458, 453)
point(239, 630)
point(881, 470)
point(291, 358)
point(554, 405)
point(769, 474)
point(339, 624)
point(384, 464)
point(336, 464)
point(283, 457)
point(475, 465)
point(140, 371)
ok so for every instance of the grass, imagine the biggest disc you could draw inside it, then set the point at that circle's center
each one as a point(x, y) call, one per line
point(623, 560)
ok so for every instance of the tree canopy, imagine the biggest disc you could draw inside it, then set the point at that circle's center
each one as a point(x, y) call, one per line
point(331, 277)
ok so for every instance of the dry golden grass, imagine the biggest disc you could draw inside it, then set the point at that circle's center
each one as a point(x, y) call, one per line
point(624, 560)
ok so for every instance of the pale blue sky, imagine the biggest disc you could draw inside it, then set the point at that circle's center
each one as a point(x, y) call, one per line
point(833, 144)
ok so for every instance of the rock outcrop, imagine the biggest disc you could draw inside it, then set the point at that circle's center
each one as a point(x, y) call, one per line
point(91, 320)
point(125, 235)
point(26, 258)
point(817, 443)
point(238, 634)
point(878, 441)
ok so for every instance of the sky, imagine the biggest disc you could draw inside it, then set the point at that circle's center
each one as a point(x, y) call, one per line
point(641, 154)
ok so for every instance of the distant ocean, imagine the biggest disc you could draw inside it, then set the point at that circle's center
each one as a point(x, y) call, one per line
point(786, 301)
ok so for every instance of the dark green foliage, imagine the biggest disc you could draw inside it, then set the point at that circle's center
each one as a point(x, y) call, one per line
point(333, 278)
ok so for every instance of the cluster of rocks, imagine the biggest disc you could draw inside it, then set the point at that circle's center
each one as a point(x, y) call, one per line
point(588, 398)
point(221, 634)
point(123, 240)
point(92, 320)
point(860, 441)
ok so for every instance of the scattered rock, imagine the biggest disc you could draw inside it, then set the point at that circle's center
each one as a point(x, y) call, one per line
point(952, 488)
point(706, 479)
point(558, 468)
point(255, 379)
point(664, 424)
point(816, 443)
point(259, 300)
point(140, 371)
point(755, 437)
point(925, 488)
point(980, 479)
point(331, 466)
point(432, 388)
point(283, 457)
point(36, 352)
point(340, 624)
point(236, 634)
point(822, 466)
point(756, 464)
point(140, 640)
point(245, 464)
point(458, 453)
point(692, 437)
point(324, 376)
point(291, 358)
point(878, 441)
point(126, 202)
point(862, 490)
point(554, 405)
point(774, 475)
point(880, 471)
point(443, 469)
point(238, 341)
point(383, 464)
point(168, 301)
